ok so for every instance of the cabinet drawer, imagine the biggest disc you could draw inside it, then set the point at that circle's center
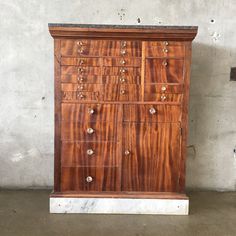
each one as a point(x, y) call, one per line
point(121, 61)
point(82, 87)
point(160, 97)
point(80, 48)
point(123, 79)
point(89, 179)
point(122, 71)
point(129, 92)
point(152, 113)
point(74, 96)
point(163, 88)
point(90, 112)
point(157, 49)
point(75, 78)
point(80, 70)
point(88, 131)
point(88, 154)
point(164, 70)
point(81, 61)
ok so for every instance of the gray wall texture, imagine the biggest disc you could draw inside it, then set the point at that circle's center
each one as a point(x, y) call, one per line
point(26, 71)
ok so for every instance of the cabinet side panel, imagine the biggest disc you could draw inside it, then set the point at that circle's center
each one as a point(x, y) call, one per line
point(187, 68)
point(57, 115)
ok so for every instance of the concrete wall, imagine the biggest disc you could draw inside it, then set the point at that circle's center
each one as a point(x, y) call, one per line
point(26, 72)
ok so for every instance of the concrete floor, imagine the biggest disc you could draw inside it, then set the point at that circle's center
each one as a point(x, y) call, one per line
point(26, 213)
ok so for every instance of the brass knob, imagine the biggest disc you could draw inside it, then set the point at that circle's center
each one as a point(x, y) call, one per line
point(122, 80)
point(163, 88)
point(123, 44)
point(165, 50)
point(89, 179)
point(91, 111)
point(122, 62)
point(152, 111)
point(80, 87)
point(81, 50)
point(81, 96)
point(90, 130)
point(80, 43)
point(90, 152)
point(122, 92)
point(163, 97)
point(123, 70)
point(80, 70)
point(80, 79)
point(123, 51)
point(127, 152)
point(81, 62)
point(165, 63)
point(166, 43)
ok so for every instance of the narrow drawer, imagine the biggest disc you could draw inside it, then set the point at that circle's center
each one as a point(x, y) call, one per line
point(121, 61)
point(163, 88)
point(89, 179)
point(164, 70)
point(88, 131)
point(90, 112)
point(157, 49)
point(123, 79)
point(82, 61)
point(125, 92)
point(82, 87)
point(122, 71)
point(80, 70)
point(75, 78)
point(88, 154)
point(152, 113)
point(74, 96)
point(160, 97)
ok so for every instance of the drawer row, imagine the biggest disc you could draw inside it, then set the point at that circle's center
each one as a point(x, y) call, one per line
point(117, 48)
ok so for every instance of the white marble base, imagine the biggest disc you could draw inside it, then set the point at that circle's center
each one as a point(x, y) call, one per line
point(119, 206)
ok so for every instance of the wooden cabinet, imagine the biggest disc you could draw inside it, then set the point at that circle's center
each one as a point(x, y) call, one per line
point(121, 109)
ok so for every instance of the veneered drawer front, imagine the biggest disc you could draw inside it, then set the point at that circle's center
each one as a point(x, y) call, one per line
point(155, 49)
point(82, 87)
point(74, 96)
point(163, 88)
point(75, 78)
point(152, 113)
point(81, 61)
point(164, 70)
point(80, 70)
point(122, 71)
point(90, 179)
point(90, 112)
point(160, 97)
point(80, 48)
point(129, 92)
point(88, 131)
point(121, 61)
point(88, 154)
point(123, 79)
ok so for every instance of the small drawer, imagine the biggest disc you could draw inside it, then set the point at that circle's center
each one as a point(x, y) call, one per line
point(122, 71)
point(164, 70)
point(88, 131)
point(123, 79)
point(160, 97)
point(90, 112)
point(163, 88)
point(82, 87)
point(157, 49)
point(80, 70)
point(133, 62)
point(74, 78)
point(80, 96)
point(129, 92)
point(88, 154)
point(152, 113)
point(81, 61)
point(89, 179)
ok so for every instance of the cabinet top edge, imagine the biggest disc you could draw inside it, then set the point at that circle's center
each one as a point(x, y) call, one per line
point(106, 31)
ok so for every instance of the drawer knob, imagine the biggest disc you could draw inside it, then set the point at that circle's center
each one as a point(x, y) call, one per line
point(127, 152)
point(152, 111)
point(91, 111)
point(81, 96)
point(123, 44)
point(89, 179)
point(80, 43)
point(163, 97)
point(165, 50)
point(122, 62)
point(123, 70)
point(81, 50)
point(166, 43)
point(123, 52)
point(80, 70)
point(81, 62)
point(122, 80)
point(80, 79)
point(163, 88)
point(122, 92)
point(90, 130)
point(90, 152)
point(80, 87)
point(165, 63)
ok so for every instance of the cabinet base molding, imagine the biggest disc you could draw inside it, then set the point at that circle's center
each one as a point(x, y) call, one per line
point(119, 205)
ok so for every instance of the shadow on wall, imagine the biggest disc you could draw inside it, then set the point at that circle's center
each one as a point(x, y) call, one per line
point(210, 85)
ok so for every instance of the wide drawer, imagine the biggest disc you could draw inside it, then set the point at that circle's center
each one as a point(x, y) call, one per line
point(88, 131)
point(88, 154)
point(80, 48)
point(164, 70)
point(152, 113)
point(90, 112)
point(90, 179)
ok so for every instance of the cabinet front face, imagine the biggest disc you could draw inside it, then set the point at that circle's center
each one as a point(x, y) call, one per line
point(151, 157)
point(120, 109)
